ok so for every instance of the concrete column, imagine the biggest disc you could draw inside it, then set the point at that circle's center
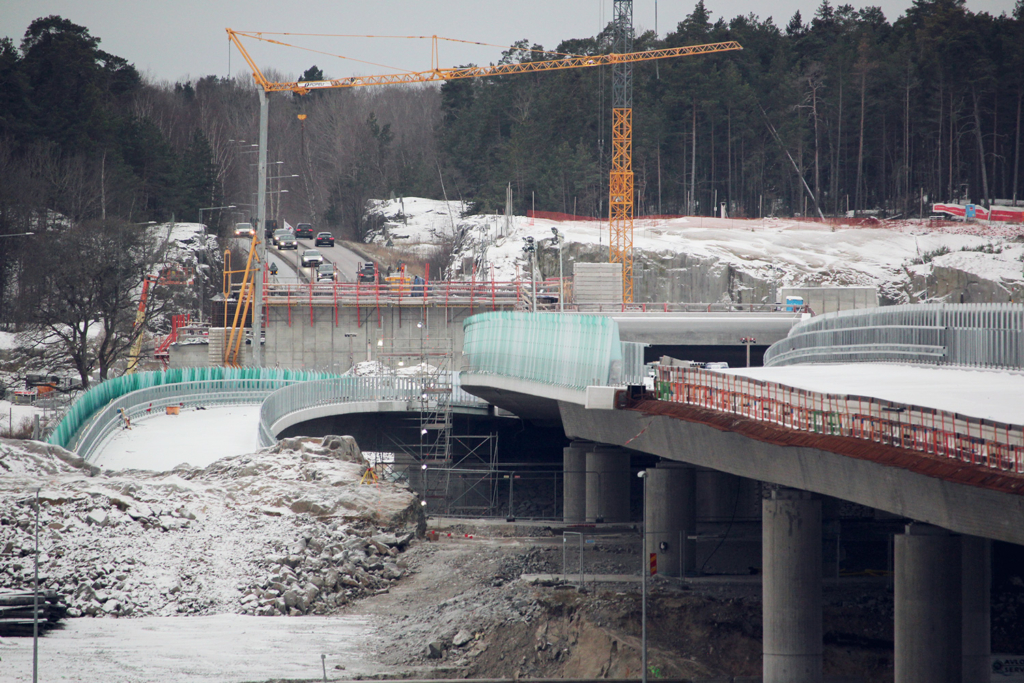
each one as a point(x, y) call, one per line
point(928, 621)
point(791, 547)
point(670, 516)
point(722, 497)
point(574, 482)
point(976, 580)
point(607, 484)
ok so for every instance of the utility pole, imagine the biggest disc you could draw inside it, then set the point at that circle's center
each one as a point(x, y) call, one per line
point(261, 242)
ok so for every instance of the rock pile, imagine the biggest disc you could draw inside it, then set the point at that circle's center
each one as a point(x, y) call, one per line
point(287, 530)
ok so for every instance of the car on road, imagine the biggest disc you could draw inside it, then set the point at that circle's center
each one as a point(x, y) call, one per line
point(311, 257)
point(325, 272)
point(324, 239)
point(278, 234)
point(303, 231)
point(366, 272)
point(287, 241)
point(244, 230)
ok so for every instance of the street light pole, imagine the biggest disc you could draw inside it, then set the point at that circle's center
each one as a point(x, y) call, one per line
point(645, 568)
point(261, 221)
point(212, 208)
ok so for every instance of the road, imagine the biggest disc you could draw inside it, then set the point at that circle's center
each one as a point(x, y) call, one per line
point(288, 262)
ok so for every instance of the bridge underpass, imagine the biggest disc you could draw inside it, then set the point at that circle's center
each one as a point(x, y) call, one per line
point(951, 495)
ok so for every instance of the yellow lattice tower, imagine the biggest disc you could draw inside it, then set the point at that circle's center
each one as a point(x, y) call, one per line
point(620, 198)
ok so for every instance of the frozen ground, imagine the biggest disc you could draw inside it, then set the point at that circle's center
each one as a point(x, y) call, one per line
point(785, 251)
point(987, 394)
point(222, 648)
point(197, 437)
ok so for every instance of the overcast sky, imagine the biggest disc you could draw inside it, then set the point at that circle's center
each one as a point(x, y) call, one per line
point(171, 40)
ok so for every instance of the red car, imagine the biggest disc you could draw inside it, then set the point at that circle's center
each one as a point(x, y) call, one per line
point(324, 239)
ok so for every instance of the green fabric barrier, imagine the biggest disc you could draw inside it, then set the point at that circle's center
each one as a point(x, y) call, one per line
point(89, 403)
point(567, 350)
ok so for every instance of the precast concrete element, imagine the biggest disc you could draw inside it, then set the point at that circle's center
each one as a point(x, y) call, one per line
point(791, 542)
point(928, 619)
point(976, 577)
point(574, 481)
point(607, 484)
point(960, 507)
point(670, 515)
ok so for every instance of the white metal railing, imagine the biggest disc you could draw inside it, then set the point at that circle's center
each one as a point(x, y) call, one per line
point(973, 335)
point(304, 395)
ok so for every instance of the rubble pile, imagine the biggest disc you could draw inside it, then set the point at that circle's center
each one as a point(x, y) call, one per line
point(287, 530)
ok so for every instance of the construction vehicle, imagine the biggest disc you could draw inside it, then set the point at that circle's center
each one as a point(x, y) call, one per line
point(170, 275)
point(621, 189)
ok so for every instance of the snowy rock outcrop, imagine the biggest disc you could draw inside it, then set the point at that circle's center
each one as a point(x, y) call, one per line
point(288, 530)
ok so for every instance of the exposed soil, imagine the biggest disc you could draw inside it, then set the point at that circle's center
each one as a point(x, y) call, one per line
point(468, 589)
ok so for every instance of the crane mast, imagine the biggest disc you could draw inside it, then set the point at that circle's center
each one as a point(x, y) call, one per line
point(620, 180)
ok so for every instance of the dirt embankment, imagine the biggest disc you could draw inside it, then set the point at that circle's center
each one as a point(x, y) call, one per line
point(465, 604)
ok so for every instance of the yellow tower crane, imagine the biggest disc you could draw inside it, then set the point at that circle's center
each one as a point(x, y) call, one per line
point(621, 179)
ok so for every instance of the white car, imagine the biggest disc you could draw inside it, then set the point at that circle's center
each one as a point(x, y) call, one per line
point(244, 230)
point(311, 257)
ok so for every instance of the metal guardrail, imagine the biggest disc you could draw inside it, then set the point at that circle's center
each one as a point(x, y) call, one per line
point(931, 432)
point(973, 335)
point(142, 402)
point(304, 395)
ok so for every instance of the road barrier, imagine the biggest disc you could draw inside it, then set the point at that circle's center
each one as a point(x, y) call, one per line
point(971, 335)
point(99, 396)
point(419, 392)
point(928, 431)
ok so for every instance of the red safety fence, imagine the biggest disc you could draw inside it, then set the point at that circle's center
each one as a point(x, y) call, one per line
point(928, 431)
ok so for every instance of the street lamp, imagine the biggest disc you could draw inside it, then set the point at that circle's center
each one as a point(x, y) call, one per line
point(213, 208)
point(559, 238)
point(645, 568)
point(748, 342)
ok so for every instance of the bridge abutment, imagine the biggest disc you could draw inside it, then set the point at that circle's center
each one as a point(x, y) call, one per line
point(670, 516)
point(792, 604)
point(607, 484)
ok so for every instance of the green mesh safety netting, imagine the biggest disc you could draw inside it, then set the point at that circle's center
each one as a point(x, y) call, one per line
point(567, 350)
point(101, 394)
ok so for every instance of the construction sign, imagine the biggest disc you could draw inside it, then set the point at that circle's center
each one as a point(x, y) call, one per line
point(654, 563)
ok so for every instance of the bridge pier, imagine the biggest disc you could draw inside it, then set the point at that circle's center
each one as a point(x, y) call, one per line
point(792, 603)
point(928, 615)
point(574, 481)
point(670, 516)
point(976, 574)
point(607, 484)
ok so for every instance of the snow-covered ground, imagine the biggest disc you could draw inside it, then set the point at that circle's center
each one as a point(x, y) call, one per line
point(987, 394)
point(785, 251)
point(197, 437)
point(221, 648)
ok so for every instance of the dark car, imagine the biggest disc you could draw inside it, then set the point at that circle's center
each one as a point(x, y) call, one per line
point(303, 231)
point(287, 241)
point(366, 273)
point(324, 239)
point(325, 272)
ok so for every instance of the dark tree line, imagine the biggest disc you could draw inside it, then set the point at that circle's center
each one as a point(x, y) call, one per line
point(875, 116)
